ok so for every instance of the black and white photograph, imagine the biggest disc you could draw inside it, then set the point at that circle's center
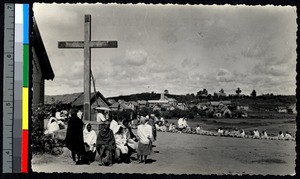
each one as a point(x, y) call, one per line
point(163, 89)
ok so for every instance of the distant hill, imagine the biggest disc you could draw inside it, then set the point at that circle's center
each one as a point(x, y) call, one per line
point(145, 96)
point(264, 102)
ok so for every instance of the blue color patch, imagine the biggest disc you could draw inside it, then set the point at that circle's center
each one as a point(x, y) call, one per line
point(26, 24)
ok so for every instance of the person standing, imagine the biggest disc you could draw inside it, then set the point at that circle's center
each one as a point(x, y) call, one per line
point(100, 115)
point(74, 136)
point(151, 122)
point(145, 137)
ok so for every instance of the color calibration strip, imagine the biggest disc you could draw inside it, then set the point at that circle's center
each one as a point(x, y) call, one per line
point(15, 91)
point(25, 91)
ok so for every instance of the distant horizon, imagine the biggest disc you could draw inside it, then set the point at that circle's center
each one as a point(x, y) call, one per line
point(172, 94)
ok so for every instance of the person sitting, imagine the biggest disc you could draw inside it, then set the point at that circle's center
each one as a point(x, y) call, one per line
point(163, 128)
point(182, 124)
point(172, 128)
point(288, 136)
point(236, 132)
point(167, 124)
point(131, 138)
point(220, 131)
point(105, 144)
point(53, 124)
point(256, 134)
point(188, 129)
point(121, 145)
point(264, 134)
point(90, 139)
point(280, 136)
point(242, 133)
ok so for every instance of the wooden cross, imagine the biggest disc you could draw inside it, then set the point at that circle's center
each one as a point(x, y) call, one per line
point(87, 44)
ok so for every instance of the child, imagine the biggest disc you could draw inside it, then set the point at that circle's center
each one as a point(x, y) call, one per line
point(220, 131)
point(198, 129)
point(264, 134)
point(172, 127)
point(288, 136)
point(256, 134)
point(280, 135)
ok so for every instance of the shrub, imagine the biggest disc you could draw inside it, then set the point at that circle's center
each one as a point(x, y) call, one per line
point(42, 143)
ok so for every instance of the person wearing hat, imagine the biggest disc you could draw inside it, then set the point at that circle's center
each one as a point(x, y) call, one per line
point(100, 115)
point(74, 137)
point(145, 137)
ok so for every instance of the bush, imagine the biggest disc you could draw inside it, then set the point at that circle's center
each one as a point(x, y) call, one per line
point(42, 143)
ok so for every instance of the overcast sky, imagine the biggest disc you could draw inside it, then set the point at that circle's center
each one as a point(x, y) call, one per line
point(180, 48)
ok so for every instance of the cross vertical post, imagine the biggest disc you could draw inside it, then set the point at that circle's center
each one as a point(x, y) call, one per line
point(87, 44)
point(87, 68)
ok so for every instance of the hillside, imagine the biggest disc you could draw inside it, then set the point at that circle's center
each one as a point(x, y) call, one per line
point(268, 102)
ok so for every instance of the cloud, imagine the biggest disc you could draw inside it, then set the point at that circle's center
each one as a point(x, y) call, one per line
point(131, 58)
point(136, 57)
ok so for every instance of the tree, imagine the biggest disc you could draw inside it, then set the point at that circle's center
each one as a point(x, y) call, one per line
point(238, 91)
point(166, 91)
point(253, 93)
point(221, 91)
point(205, 92)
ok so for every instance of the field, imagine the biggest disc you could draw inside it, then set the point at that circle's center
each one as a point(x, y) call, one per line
point(196, 154)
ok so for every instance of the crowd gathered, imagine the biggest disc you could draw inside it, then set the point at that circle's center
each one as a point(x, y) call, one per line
point(116, 142)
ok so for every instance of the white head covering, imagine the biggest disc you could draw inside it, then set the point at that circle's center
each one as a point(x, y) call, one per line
point(90, 137)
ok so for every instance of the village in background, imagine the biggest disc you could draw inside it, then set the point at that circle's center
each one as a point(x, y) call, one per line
point(201, 105)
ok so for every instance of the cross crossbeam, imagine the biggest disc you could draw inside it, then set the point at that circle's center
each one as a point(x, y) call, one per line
point(92, 44)
point(87, 44)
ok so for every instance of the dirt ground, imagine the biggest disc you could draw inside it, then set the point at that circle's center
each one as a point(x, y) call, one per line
point(193, 154)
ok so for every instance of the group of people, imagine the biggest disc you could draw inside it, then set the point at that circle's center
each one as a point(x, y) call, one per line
point(255, 134)
point(115, 141)
point(183, 127)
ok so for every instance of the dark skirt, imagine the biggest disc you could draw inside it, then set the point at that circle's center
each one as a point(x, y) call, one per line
point(144, 149)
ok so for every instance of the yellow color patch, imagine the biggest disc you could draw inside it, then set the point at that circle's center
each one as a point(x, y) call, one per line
point(25, 108)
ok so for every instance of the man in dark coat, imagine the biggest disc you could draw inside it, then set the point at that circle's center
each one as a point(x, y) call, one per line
point(74, 136)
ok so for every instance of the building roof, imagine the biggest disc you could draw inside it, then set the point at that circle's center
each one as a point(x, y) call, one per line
point(101, 99)
point(215, 103)
point(115, 105)
point(142, 101)
point(158, 101)
point(38, 45)
point(75, 99)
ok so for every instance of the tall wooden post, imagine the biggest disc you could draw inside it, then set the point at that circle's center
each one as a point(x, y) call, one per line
point(87, 44)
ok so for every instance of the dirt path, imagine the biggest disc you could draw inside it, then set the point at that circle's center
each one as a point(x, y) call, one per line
point(196, 154)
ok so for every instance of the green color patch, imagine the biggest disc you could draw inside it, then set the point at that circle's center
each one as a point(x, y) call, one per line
point(25, 65)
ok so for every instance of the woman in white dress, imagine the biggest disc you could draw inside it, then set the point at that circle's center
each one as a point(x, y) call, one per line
point(90, 139)
point(121, 144)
